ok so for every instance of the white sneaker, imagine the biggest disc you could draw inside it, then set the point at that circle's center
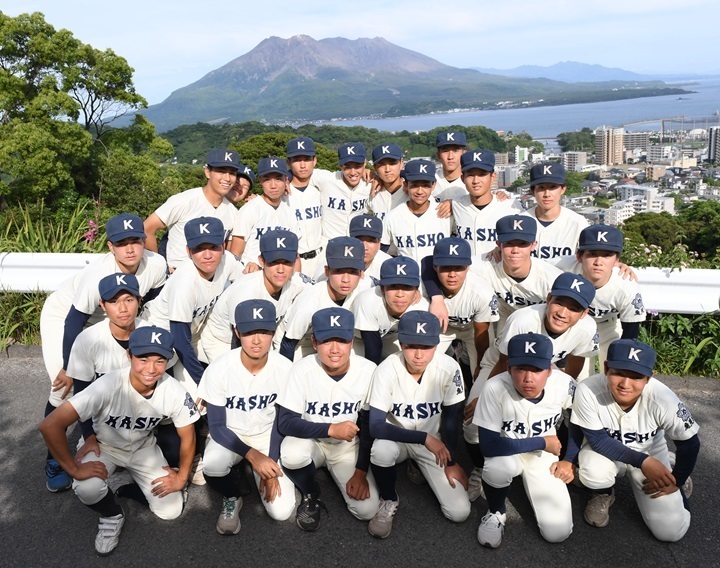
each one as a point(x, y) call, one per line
point(475, 488)
point(108, 534)
point(229, 521)
point(196, 471)
point(490, 531)
point(381, 524)
point(119, 478)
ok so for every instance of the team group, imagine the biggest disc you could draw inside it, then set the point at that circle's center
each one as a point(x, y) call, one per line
point(355, 320)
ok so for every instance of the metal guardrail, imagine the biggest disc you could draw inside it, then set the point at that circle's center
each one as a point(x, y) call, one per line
point(664, 290)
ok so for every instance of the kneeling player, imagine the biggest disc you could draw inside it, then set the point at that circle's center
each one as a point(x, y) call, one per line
point(517, 414)
point(240, 389)
point(125, 406)
point(412, 393)
point(625, 415)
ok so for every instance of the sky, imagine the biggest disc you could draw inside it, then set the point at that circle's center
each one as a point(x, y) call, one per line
point(171, 45)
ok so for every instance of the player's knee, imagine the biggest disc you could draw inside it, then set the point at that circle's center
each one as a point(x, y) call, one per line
point(215, 466)
point(363, 510)
point(169, 507)
point(384, 453)
point(596, 478)
point(281, 509)
point(457, 512)
point(500, 471)
point(669, 528)
point(294, 456)
point(555, 532)
point(90, 491)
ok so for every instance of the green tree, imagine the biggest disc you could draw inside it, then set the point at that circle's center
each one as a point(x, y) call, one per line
point(579, 141)
point(573, 181)
point(661, 229)
point(253, 149)
point(701, 222)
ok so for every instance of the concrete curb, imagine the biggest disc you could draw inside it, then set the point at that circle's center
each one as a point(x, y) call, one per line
point(22, 352)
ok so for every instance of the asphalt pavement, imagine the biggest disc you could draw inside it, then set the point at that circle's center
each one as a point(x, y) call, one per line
point(43, 529)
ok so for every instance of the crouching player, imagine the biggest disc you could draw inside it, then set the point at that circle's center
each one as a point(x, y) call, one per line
point(517, 414)
point(625, 416)
point(239, 390)
point(125, 406)
point(413, 392)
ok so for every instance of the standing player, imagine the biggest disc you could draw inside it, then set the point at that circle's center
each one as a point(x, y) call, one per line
point(413, 393)
point(239, 390)
point(450, 146)
point(415, 227)
point(626, 417)
point(125, 406)
point(221, 170)
point(559, 227)
point(388, 163)
point(517, 416)
point(319, 412)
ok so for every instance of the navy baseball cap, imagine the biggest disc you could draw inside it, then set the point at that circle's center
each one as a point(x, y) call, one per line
point(419, 170)
point(352, 152)
point(452, 138)
point(124, 226)
point(601, 237)
point(419, 328)
point(333, 323)
point(481, 159)
point(547, 172)
point(516, 228)
point(151, 340)
point(400, 270)
point(118, 282)
point(300, 146)
point(272, 165)
point(631, 355)
point(452, 251)
point(385, 152)
point(246, 172)
point(345, 252)
point(279, 244)
point(530, 349)
point(366, 226)
point(574, 286)
point(204, 230)
point(254, 315)
point(220, 158)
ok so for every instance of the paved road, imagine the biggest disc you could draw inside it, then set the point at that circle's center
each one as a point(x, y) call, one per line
point(43, 529)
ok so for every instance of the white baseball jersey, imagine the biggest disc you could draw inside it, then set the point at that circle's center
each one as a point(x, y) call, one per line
point(371, 315)
point(445, 189)
point(307, 205)
point(372, 272)
point(187, 297)
point(249, 400)
point(501, 408)
point(559, 238)
point(256, 218)
point(416, 405)
point(185, 206)
point(340, 202)
point(415, 236)
point(477, 226)
point(383, 202)
point(475, 302)
point(124, 419)
point(319, 398)
point(656, 414)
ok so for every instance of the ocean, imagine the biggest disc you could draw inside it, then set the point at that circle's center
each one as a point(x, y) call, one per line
point(699, 109)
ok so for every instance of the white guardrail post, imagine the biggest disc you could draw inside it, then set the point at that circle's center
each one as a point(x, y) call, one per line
point(688, 291)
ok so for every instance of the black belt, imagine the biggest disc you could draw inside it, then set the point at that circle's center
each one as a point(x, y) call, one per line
point(310, 254)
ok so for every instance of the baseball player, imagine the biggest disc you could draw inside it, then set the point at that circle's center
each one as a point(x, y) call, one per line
point(276, 282)
point(318, 415)
point(242, 186)
point(477, 211)
point(517, 416)
point(415, 227)
point(268, 212)
point(344, 271)
point(388, 163)
point(306, 201)
point(125, 406)
point(558, 227)
point(378, 310)
point(413, 393)
point(239, 390)
point(76, 304)
point(450, 146)
point(369, 229)
point(626, 417)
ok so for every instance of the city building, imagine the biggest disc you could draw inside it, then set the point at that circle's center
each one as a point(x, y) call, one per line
point(636, 140)
point(714, 144)
point(659, 153)
point(573, 159)
point(522, 154)
point(609, 145)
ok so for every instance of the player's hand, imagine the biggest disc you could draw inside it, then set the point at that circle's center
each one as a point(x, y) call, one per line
point(250, 267)
point(90, 469)
point(625, 272)
point(357, 486)
point(200, 403)
point(344, 431)
point(368, 175)
point(563, 470)
point(438, 449)
point(553, 445)
point(456, 473)
point(252, 196)
point(375, 187)
point(170, 483)
point(500, 195)
point(659, 480)
point(266, 467)
point(439, 309)
point(495, 255)
point(444, 209)
point(269, 489)
point(90, 445)
point(469, 411)
point(288, 188)
point(62, 381)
